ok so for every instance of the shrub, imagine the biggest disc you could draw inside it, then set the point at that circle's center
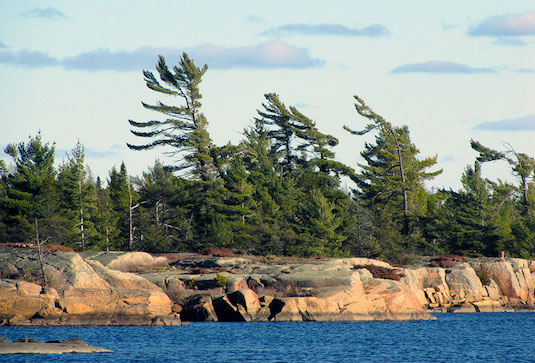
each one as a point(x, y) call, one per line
point(483, 273)
point(379, 272)
point(56, 248)
point(220, 280)
point(191, 284)
point(218, 252)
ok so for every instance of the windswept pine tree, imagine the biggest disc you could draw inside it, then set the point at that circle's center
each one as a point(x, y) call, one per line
point(391, 181)
point(185, 129)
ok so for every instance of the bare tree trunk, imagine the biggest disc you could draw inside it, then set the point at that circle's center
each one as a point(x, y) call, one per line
point(402, 173)
point(82, 234)
point(130, 209)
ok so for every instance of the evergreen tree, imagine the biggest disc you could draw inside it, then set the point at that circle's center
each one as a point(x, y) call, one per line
point(77, 198)
point(469, 225)
point(118, 187)
point(31, 194)
point(106, 218)
point(186, 128)
point(391, 181)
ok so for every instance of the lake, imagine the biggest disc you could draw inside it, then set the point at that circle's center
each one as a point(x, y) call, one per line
point(496, 337)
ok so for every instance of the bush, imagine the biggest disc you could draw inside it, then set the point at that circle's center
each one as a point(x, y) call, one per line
point(220, 280)
point(483, 273)
point(379, 272)
point(56, 248)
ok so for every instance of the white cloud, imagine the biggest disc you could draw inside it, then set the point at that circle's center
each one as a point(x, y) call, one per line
point(506, 25)
point(372, 31)
point(270, 54)
point(49, 13)
point(440, 67)
point(524, 123)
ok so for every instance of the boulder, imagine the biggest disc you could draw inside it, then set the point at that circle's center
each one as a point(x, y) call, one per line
point(198, 308)
point(463, 281)
point(510, 283)
point(488, 306)
point(81, 292)
point(130, 261)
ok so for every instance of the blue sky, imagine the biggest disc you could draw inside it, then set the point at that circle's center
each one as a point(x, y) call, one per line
point(451, 71)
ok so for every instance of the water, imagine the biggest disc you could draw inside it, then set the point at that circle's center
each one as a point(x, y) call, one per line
point(497, 337)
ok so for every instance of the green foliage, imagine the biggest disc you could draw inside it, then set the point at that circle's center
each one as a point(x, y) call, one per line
point(186, 129)
point(220, 280)
point(277, 192)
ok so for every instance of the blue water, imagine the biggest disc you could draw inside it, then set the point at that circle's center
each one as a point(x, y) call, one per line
point(479, 337)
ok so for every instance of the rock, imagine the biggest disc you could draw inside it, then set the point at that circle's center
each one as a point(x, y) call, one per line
point(226, 311)
point(466, 308)
point(488, 306)
point(198, 308)
point(246, 298)
point(82, 292)
point(129, 261)
point(463, 280)
point(507, 280)
point(33, 346)
point(166, 320)
point(236, 283)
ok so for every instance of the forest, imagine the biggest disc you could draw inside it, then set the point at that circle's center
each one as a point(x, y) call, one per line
point(277, 192)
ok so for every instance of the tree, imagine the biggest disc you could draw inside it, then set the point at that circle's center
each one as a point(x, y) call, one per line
point(469, 218)
point(106, 218)
point(186, 128)
point(522, 166)
point(77, 195)
point(118, 187)
point(31, 192)
point(391, 181)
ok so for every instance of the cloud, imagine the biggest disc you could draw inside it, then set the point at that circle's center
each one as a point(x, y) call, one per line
point(28, 59)
point(525, 70)
point(2, 45)
point(440, 67)
point(371, 31)
point(254, 18)
point(270, 54)
point(447, 26)
point(510, 42)
point(49, 13)
point(447, 159)
point(99, 154)
point(508, 25)
point(524, 123)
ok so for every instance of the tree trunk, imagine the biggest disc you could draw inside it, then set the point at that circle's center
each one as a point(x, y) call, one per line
point(402, 173)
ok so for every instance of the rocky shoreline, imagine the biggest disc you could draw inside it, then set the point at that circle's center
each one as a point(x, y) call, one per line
point(136, 288)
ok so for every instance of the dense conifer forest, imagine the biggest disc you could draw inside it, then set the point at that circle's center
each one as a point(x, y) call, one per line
point(276, 192)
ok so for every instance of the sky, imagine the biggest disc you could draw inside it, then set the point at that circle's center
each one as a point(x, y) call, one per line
point(451, 71)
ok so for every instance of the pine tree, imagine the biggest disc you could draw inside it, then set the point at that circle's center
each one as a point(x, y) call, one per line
point(106, 218)
point(186, 128)
point(31, 193)
point(391, 181)
point(77, 197)
point(118, 187)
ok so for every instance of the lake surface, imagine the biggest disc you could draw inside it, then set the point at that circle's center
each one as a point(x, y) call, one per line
point(498, 337)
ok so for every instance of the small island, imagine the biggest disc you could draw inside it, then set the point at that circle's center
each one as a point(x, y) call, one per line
point(32, 346)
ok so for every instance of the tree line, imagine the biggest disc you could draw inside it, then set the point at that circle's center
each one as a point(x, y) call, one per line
point(278, 191)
